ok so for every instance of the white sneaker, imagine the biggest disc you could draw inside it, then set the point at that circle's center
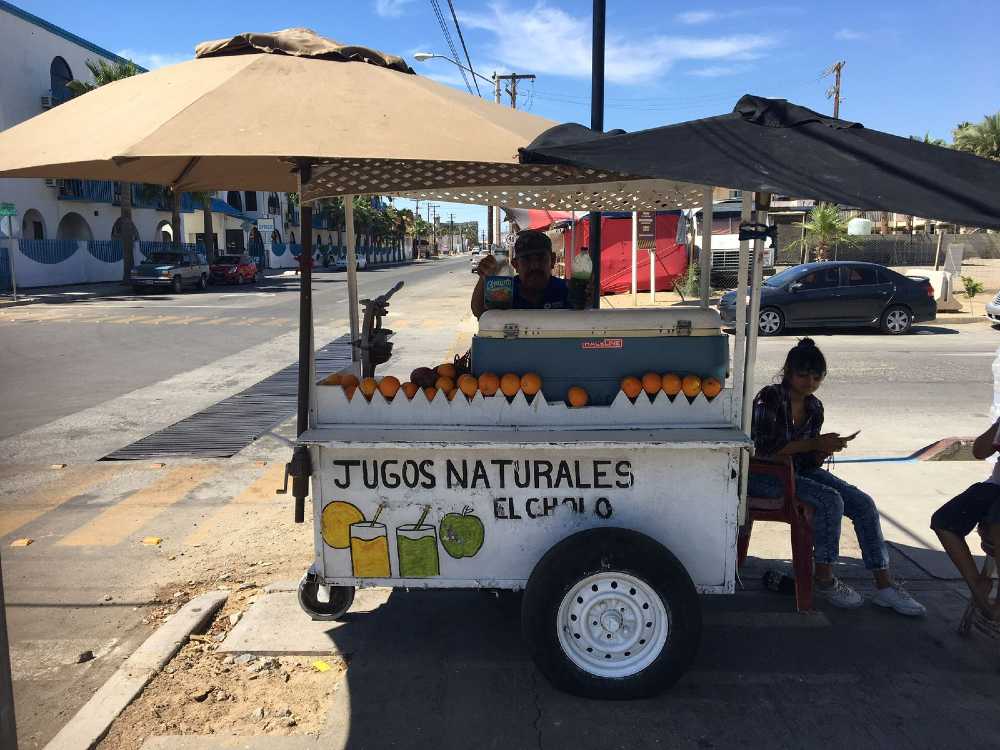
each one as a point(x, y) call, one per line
point(839, 594)
point(896, 597)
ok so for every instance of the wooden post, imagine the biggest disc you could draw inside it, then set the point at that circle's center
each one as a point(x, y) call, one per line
point(352, 280)
point(635, 251)
point(705, 256)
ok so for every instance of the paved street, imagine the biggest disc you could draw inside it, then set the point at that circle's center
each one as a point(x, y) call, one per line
point(78, 380)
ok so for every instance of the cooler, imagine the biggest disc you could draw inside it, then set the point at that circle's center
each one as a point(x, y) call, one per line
point(595, 349)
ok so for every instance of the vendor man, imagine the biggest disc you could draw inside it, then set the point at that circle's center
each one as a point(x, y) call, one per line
point(535, 288)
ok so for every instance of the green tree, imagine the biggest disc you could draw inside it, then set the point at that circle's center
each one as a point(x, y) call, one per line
point(972, 288)
point(207, 229)
point(981, 138)
point(103, 73)
point(825, 228)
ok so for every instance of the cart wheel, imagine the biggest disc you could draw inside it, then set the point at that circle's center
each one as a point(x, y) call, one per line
point(611, 614)
point(341, 598)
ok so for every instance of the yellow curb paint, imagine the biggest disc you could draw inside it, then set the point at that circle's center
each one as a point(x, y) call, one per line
point(49, 496)
point(124, 519)
point(258, 492)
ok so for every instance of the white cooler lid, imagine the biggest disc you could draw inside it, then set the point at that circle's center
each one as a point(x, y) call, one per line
point(665, 321)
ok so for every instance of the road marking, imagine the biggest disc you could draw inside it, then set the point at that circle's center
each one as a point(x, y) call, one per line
point(124, 519)
point(258, 492)
point(966, 354)
point(64, 487)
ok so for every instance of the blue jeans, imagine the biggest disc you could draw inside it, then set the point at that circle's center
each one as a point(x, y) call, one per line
point(832, 499)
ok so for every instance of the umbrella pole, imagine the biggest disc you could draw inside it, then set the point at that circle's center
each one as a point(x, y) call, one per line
point(300, 467)
point(352, 282)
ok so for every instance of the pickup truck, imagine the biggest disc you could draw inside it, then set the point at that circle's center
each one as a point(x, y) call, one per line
point(172, 269)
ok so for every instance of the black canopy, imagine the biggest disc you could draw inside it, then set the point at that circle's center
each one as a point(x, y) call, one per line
point(775, 146)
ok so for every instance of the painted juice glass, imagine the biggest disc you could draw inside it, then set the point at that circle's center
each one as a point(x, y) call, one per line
point(418, 551)
point(370, 550)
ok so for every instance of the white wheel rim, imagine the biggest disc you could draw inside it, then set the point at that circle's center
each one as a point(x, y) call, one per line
point(769, 321)
point(612, 625)
point(896, 321)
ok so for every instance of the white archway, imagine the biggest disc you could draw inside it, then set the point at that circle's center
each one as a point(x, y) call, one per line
point(33, 225)
point(72, 226)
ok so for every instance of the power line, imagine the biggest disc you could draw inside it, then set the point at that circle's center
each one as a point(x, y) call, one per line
point(451, 44)
point(461, 38)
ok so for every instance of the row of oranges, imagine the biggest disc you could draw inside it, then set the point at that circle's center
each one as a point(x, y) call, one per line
point(670, 383)
point(488, 384)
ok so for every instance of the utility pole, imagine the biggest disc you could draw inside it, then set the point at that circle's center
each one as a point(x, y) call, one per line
point(834, 91)
point(512, 89)
point(493, 214)
point(597, 125)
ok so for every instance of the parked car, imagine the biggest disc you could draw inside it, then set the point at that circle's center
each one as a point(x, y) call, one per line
point(235, 269)
point(993, 309)
point(839, 294)
point(171, 269)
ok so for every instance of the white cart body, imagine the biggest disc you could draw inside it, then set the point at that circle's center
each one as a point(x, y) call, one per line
point(492, 502)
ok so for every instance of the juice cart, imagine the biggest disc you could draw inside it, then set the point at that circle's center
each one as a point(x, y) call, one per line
point(612, 517)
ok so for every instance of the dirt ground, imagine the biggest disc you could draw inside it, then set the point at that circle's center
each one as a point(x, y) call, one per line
point(202, 691)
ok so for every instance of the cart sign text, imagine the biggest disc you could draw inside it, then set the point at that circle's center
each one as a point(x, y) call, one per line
point(494, 474)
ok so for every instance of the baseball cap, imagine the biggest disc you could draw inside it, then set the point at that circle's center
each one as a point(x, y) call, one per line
point(531, 242)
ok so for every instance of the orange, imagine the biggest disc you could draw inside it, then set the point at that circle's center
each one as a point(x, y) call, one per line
point(444, 383)
point(711, 387)
point(577, 397)
point(531, 383)
point(631, 386)
point(451, 394)
point(430, 392)
point(651, 383)
point(672, 384)
point(388, 386)
point(349, 378)
point(510, 384)
point(349, 391)
point(368, 387)
point(332, 379)
point(468, 385)
point(489, 384)
point(410, 389)
point(446, 370)
point(691, 385)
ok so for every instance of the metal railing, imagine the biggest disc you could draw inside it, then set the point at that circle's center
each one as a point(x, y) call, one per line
point(48, 251)
point(93, 191)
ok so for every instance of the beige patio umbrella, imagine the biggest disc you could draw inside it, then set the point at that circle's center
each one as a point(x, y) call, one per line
point(247, 109)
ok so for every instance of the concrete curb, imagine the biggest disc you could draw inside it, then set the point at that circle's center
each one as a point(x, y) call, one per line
point(92, 721)
point(18, 303)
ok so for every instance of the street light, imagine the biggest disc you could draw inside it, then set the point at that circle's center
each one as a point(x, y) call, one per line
point(425, 56)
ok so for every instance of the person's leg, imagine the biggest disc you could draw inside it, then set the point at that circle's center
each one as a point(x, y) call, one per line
point(860, 508)
point(953, 521)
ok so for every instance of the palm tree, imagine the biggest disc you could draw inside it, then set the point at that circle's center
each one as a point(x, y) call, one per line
point(824, 228)
point(981, 139)
point(104, 73)
point(207, 228)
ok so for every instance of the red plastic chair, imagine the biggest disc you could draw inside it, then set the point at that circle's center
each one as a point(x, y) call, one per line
point(785, 509)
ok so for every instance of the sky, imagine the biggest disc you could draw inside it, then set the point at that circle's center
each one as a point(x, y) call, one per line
point(912, 66)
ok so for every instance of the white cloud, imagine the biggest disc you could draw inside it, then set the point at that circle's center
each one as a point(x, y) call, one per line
point(391, 8)
point(849, 35)
point(694, 17)
point(154, 60)
point(547, 40)
point(716, 71)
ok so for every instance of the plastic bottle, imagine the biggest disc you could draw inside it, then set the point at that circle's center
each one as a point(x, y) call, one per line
point(583, 271)
point(498, 289)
